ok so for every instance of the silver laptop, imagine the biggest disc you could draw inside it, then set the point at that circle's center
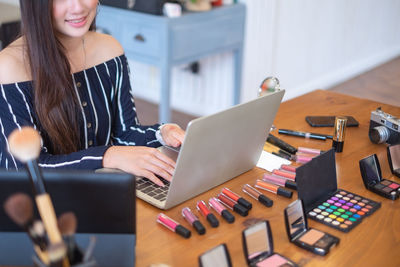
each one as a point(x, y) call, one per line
point(216, 148)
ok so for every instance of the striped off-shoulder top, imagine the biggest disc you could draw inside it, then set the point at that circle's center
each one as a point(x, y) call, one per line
point(108, 117)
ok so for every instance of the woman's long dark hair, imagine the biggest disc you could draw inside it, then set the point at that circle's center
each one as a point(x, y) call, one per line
point(55, 99)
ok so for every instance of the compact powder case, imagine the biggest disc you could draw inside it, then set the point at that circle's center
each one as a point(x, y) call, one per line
point(393, 153)
point(372, 177)
point(217, 256)
point(298, 232)
point(258, 247)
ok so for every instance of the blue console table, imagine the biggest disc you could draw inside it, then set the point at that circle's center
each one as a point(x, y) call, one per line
point(165, 42)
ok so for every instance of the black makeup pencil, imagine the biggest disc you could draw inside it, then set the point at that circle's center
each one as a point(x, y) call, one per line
point(67, 223)
point(25, 144)
point(19, 208)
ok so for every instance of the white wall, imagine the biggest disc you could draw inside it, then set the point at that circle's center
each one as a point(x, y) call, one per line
point(307, 44)
point(14, 2)
point(312, 44)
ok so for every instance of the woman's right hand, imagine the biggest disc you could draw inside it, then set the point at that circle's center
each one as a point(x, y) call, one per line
point(140, 161)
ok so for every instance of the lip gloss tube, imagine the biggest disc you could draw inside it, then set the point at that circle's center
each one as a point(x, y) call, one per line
point(288, 168)
point(237, 198)
point(309, 150)
point(273, 188)
point(173, 225)
point(279, 181)
point(251, 191)
point(286, 174)
point(233, 205)
point(202, 208)
point(302, 159)
point(193, 220)
point(221, 210)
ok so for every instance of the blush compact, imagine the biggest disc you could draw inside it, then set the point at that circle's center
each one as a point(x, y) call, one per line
point(258, 247)
point(372, 177)
point(313, 240)
point(393, 153)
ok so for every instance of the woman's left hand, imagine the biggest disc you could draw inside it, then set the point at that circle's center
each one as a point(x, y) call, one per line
point(172, 134)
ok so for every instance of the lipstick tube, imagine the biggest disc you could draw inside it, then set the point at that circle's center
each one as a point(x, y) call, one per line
point(173, 225)
point(221, 210)
point(237, 198)
point(286, 174)
point(279, 181)
point(254, 193)
point(233, 205)
point(288, 168)
point(273, 188)
point(338, 137)
point(202, 208)
point(193, 221)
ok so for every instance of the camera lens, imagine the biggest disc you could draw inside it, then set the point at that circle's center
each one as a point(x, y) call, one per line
point(379, 134)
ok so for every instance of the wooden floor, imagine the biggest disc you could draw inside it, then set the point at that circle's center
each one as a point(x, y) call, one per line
point(381, 84)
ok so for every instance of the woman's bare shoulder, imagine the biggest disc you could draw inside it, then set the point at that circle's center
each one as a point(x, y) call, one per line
point(13, 65)
point(102, 47)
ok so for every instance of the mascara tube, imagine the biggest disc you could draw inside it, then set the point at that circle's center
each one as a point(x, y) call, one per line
point(254, 193)
point(193, 220)
point(202, 208)
point(338, 137)
point(221, 210)
point(281, 144)
point(173, 225)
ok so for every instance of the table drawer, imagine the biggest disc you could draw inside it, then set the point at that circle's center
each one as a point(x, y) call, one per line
point(205, 36)
point(142, 40)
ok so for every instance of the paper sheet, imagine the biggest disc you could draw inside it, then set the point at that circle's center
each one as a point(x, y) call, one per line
point(270, 162)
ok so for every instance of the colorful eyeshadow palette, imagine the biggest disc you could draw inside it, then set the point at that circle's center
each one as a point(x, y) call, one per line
point(323, 201)
point(343, 210)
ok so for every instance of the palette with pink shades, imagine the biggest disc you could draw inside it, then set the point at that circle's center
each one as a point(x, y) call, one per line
point(258, 247)
point(372, 177)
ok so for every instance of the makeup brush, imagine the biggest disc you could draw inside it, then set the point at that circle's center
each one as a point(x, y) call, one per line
point(67, 223)
point(19, 208)
point(25, 144)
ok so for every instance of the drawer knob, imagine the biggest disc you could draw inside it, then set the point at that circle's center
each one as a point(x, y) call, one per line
point(138, 37)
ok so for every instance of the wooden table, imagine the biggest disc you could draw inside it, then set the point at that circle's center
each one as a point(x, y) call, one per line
point(375, 242)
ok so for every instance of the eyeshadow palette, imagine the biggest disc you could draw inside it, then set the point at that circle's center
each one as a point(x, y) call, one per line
point(323, 201)
point(343, 210)
point(393, 153)
point(372, 178)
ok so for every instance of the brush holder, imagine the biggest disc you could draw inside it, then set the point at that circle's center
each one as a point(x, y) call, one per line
point(88, 260)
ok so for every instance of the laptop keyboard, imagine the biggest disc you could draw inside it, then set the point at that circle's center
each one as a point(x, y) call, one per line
point(149, 188)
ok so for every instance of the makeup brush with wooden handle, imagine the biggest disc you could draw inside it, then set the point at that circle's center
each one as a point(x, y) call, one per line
point(25, 145)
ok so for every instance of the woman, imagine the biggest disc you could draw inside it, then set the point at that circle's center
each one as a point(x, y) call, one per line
point(72, 85)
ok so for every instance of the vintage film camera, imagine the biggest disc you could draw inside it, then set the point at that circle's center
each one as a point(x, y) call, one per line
point(384, 127)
